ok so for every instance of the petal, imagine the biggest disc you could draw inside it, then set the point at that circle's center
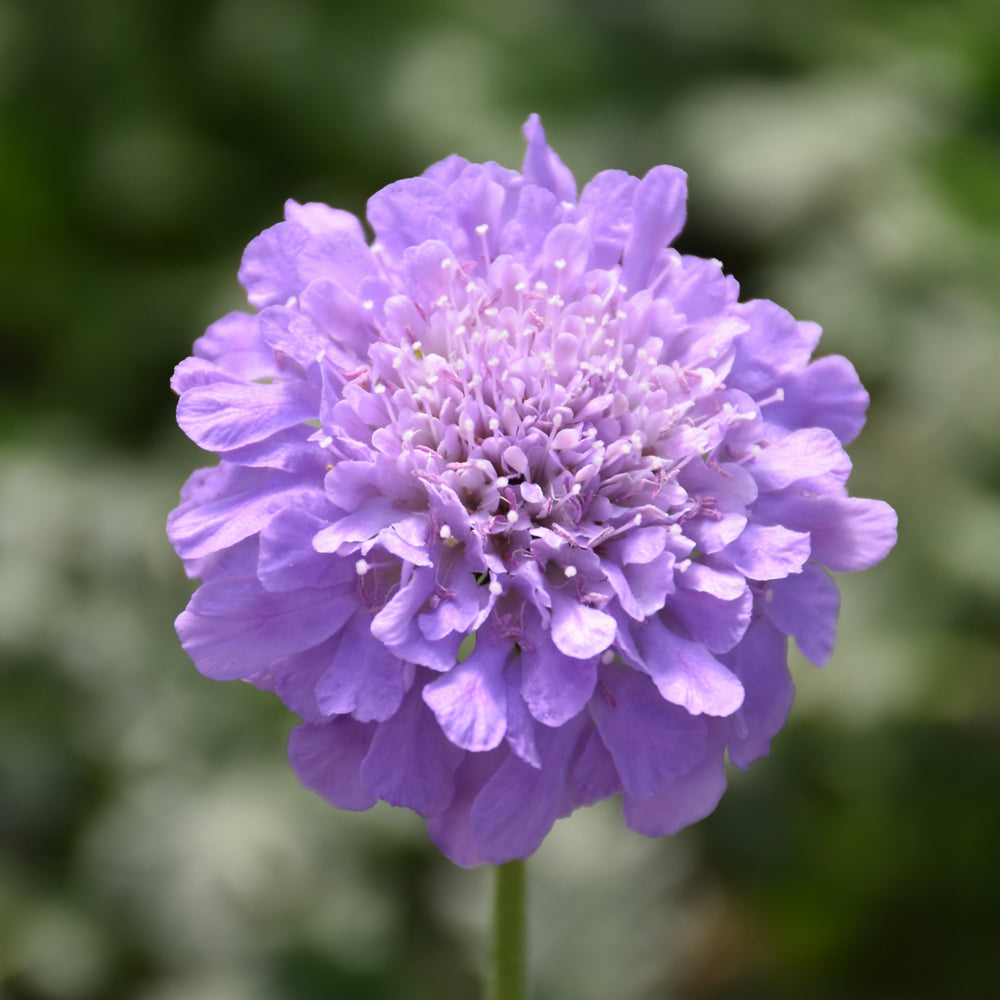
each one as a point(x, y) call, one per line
point(233, 628)
point(451, 829)
point(773, 344)
point(408, 212)
point(394, 624)
point(555, 686)
point(249, 499)
point(327, 760)
point(768, 552)
point(269, 270)
point(579, 631)
point(288, 560)
point(650, 740)
point(686, 673)
point(542, 166)
point(538, 212)
point(681, 802)
point(828, 393)
point(713, 623)
point(813, 451)
point(805, 606)
point(362, 677)
point(658, 213)
point(470, 700)
point(518, 805)
point(235, 344)
point(227, 415)
point(606, 202)
point(349, 531)
point(595, 775)
point(411, 762)
point(336, 247)
point(847, 533)
point(196, 372)
point(760, 663)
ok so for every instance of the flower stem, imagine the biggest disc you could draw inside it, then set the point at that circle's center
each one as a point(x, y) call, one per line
point(506, 973)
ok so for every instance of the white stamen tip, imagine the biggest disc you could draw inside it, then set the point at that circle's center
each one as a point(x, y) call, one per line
point(482, 229)
point(511, 516)
point(368, 304)
point(361, 567)
point(608, 657)
point(496, 589)
point(560, 264)
point(570, 571)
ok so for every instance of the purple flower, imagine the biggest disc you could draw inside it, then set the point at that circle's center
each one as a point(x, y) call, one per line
point(517, 506)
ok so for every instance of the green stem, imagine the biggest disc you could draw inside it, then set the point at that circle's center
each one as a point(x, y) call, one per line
point(506, 975)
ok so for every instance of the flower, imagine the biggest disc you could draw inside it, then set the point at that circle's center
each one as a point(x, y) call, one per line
point(517, 506)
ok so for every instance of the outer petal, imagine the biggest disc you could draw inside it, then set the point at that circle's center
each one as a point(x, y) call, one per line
point(228, 415)
point(681, 802)
point(774, 343)
point(555, 686)
point(518, 805)
point(411, 763)
point(650, 740)
point(760, 663)
point(607, 203)
point(686, 673)
point(580, 631)
point(363, 678)
point(470, 700)
point(246, 499)
point(542, 166)
point(768, 553)
point(658, 213)
point(233, 628)
point(407, 212)
point(847, 533)
point(805, 606)
point(827, 393)
point(327, 759)
point(452, 829)
point(803, 454)
point(235, 344)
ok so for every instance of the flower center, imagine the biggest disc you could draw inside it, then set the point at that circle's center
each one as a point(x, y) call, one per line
point(542, 413)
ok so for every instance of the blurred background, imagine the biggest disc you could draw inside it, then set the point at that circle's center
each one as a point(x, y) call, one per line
point(844, 160)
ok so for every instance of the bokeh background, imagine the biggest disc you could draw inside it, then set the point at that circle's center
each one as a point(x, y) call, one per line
point(844, 160)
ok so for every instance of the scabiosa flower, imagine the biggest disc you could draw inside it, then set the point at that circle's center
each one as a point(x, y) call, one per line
point(517, 506)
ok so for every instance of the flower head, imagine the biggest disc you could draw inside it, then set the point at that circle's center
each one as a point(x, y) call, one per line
point(517, 506)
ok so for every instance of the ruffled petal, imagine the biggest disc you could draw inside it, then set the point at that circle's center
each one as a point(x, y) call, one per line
point(233, 628)
point(659, 208)
point(327, 760)
point(542, 166)
point(805, 606)
point(411, 762)
point(580, 631)
point(470, 700)
point(760, 663)
point(362, 677)
point(650, 740)
point(681, 802)
point(687, 674)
